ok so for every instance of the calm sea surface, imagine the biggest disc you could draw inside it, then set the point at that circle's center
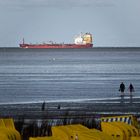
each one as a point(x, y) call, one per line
point(34, 75)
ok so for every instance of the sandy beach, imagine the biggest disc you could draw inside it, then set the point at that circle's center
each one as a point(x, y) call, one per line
point(31, 120)
point(88, 108)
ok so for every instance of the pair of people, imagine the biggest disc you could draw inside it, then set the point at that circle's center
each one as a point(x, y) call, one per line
point(130, 88)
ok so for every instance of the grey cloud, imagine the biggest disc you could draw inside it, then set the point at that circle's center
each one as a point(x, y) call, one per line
point(58, 3)
point(111, 22)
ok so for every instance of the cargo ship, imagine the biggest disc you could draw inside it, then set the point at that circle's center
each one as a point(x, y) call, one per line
point(80, 41)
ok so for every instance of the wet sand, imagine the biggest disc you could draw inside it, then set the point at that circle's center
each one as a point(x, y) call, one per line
point(88, 108)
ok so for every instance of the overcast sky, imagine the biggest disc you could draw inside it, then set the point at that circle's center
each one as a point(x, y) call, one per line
point(112, 22)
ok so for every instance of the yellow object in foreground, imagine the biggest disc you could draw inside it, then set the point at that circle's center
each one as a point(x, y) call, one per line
point(8, 131)
point(120, 130)
point(43, 138)
point(128, 119)
point(113, 128)
point(78, 132)
point(135, 138)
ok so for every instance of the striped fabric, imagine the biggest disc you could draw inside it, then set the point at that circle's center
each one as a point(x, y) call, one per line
point(126, 119)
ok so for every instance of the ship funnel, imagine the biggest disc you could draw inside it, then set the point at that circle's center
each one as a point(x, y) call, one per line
point(87, 38)
point(23, 41)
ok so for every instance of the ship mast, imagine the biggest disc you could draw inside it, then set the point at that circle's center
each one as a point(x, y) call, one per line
point(23, 40)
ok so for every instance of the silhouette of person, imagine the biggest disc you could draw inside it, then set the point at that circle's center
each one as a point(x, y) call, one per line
point(131, 88)
point(43, 106)
point(58, 106)
point(122, 88)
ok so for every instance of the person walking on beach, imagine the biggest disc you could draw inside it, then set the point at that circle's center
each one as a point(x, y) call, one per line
point(131, 89)
point(122, 88)
point(43, 106)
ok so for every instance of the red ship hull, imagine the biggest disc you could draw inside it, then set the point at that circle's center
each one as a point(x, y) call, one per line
point(56, 45)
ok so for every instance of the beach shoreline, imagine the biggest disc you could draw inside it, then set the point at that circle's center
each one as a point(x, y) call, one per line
point(91, 107)
point(31, 121)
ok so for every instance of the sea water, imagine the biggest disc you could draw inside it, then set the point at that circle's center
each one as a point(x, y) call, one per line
point(36, 75)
